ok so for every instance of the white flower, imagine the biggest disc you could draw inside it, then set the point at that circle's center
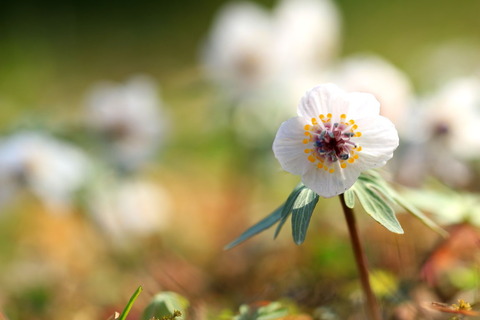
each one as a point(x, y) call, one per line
point(237, 52)
point(129, 209)
point(307, 34)
point(372, 74)
point(443, 135)
point(452, 117)
point(250, 48)
point(336, 136)
point(129, 116)
point(51, 169)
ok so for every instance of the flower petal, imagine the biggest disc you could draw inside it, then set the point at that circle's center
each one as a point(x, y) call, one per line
point(289, 148)
point(378, 141)
point(328, 184)
point(361, 105)
point(319, 100)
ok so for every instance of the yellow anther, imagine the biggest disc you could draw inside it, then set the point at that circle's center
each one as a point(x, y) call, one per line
point(314, 121)
point(331, 170)
point(355, 156)
point(319, 165)
point(307, 150)
point(322, 116)
point(351, 160)
point(358, 134)
point(359, 148)
point(343, 165)
point(307, 133)
point(354, 127)
point(311, 158)
point(329, 115)
point(307, 127)
point(305, 141)
point(351, 122)
point(343, 116)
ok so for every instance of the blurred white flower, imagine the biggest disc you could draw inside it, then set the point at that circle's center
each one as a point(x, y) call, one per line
point(128, 210)
point(452, 117)
point(249, 48)
point(368, 73)
point(237, 53)
point(336, 136)
point(307, 35)
point(261, 58)
point(443, 136)
point(130, 118)
point(51, 169)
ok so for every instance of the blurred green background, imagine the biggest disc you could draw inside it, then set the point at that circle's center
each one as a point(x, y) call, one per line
point(51, 51)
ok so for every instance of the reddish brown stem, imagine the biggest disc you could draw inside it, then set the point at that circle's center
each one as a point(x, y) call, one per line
point(360, 259)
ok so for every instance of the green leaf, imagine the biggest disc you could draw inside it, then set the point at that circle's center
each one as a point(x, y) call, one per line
point(166, 305)
point(376, 182)
point(377, 207)
point(129, 305)
point(302, 213)
point(419, 215)
point(288, 207)
point(376, 196)
point(349, 196)
point(271, 311)
point(262, 225)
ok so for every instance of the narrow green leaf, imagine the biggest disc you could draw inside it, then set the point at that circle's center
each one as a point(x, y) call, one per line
point(378, 183)
point(287, 208)
point(166, 304)
point(129, 305)
point(302, 213)
point(262, 225)
point(377, 208)
point(419, 215)
point(273, 310)
point(349, 196)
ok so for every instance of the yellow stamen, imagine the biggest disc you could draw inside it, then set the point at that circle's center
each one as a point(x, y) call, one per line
point(354, 127)
point(311, 158)
point(358, 134)
point(351, 122)
point(351, 160)
point(343, 165)
point(305, 141)
point(307, 127)
point(343, 116)
point(355, 156)
point(314, 121)
point(319, 165)
point(322, 116)
point(329, 115)
point(306, 133)
point(331, 170)
point(307, 150)
point(359, 148)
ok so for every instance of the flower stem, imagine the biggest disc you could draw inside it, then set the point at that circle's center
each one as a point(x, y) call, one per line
point(372, 304)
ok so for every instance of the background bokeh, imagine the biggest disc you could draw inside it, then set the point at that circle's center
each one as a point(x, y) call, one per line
point(80, 255)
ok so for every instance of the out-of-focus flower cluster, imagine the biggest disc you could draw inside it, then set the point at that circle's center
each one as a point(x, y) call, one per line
point(263, 67)
point(126, 124)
